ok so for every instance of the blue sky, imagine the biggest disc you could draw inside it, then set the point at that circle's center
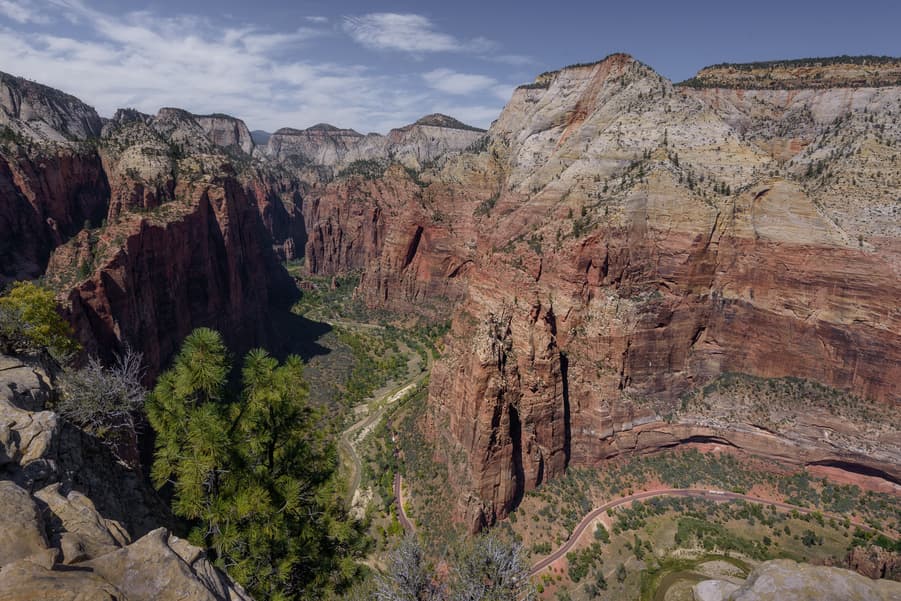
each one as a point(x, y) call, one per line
point(377, 65)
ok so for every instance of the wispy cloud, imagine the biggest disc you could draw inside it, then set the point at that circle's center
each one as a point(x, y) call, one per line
point(22, 13)
point(452, 82)
point(269, 78)
point(407, 33)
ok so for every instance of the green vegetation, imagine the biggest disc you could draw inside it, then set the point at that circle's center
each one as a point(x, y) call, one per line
point(486, 206)
point(365, 168)
point(252, 470)
point(844, 59)
point(773, 402)
point(548, 514)
point(10, 136)
point(328, 299)
point(30, 322)
point(377, 361)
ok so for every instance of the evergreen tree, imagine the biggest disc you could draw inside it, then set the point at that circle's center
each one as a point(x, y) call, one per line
point(253, 471)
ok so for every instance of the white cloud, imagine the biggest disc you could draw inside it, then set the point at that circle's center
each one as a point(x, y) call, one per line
point(19, 13)
point(407, 33)
point(265, 77)
point(317, 19)
point(452, 82)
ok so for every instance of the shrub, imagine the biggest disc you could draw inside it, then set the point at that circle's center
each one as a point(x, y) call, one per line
point(30, 322)
point(104, 401)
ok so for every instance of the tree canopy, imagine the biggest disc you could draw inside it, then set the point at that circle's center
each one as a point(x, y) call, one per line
point(31, 322)
point(251, 465)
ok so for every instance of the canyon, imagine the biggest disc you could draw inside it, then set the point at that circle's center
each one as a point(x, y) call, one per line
point(610, 249)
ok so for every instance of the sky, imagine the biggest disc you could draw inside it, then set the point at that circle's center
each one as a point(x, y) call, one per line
point(377, 65)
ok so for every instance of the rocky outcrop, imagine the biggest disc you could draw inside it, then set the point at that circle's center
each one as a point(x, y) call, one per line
point(227, 132)
point(875, 562)
point(203, 261)
point(44, 114)
point(415, 145)
point(39, 450)
point(786, 579)
point(76, 523)
point(184, 240)
point(46, 198)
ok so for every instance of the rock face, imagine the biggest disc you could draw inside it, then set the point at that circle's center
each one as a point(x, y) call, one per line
point(46, 197)
point(785, 579)
point(638, 246)
point(612, 245)
point(414, 145)
point(71, 514)
point(42, 113)
point(227, 132)
point(185, 240)
point(875, 562)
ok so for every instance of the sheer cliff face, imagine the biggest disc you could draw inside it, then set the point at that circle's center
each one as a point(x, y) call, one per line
point(616, 272)
point(148, 230)
point(46, 197)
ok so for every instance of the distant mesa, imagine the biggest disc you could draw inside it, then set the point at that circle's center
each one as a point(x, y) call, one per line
point(806, 73)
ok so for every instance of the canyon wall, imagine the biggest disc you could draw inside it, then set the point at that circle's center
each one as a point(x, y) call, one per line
point(613, 245)
point(644, 243)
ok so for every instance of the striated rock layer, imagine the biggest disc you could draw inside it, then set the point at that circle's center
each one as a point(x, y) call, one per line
point(640, 244)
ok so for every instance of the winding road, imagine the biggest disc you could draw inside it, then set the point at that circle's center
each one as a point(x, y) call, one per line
point(347, 436)
point(713, 495)
point(401, 512)
point(383, 402)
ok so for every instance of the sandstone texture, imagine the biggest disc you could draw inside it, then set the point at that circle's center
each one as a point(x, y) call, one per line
point(875, 562)
point(415, 145)
point(785, 579)
point(76, 524)
point(43, 113)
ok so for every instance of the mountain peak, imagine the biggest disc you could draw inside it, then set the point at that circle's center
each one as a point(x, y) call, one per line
point(442, 120)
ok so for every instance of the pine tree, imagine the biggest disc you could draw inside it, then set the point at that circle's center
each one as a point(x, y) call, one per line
point(252, 471)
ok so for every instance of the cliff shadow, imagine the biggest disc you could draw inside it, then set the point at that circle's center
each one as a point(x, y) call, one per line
point(567, 418)
point(292, 334)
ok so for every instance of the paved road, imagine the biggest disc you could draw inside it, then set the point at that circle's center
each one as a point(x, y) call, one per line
point(347, 444)
point(673, 492)
point(384, 401)
point(399, 497)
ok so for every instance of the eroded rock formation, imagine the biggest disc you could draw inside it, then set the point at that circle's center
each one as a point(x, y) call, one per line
point(787, 579)
point(78, 524)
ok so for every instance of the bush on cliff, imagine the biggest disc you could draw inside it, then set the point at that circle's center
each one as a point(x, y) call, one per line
point(105, 401)
point(253, 470)
point(30, 322)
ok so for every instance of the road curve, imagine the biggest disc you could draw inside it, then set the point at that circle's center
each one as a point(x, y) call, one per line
point(346, 442)
point(399, 498)
point(672, 492)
